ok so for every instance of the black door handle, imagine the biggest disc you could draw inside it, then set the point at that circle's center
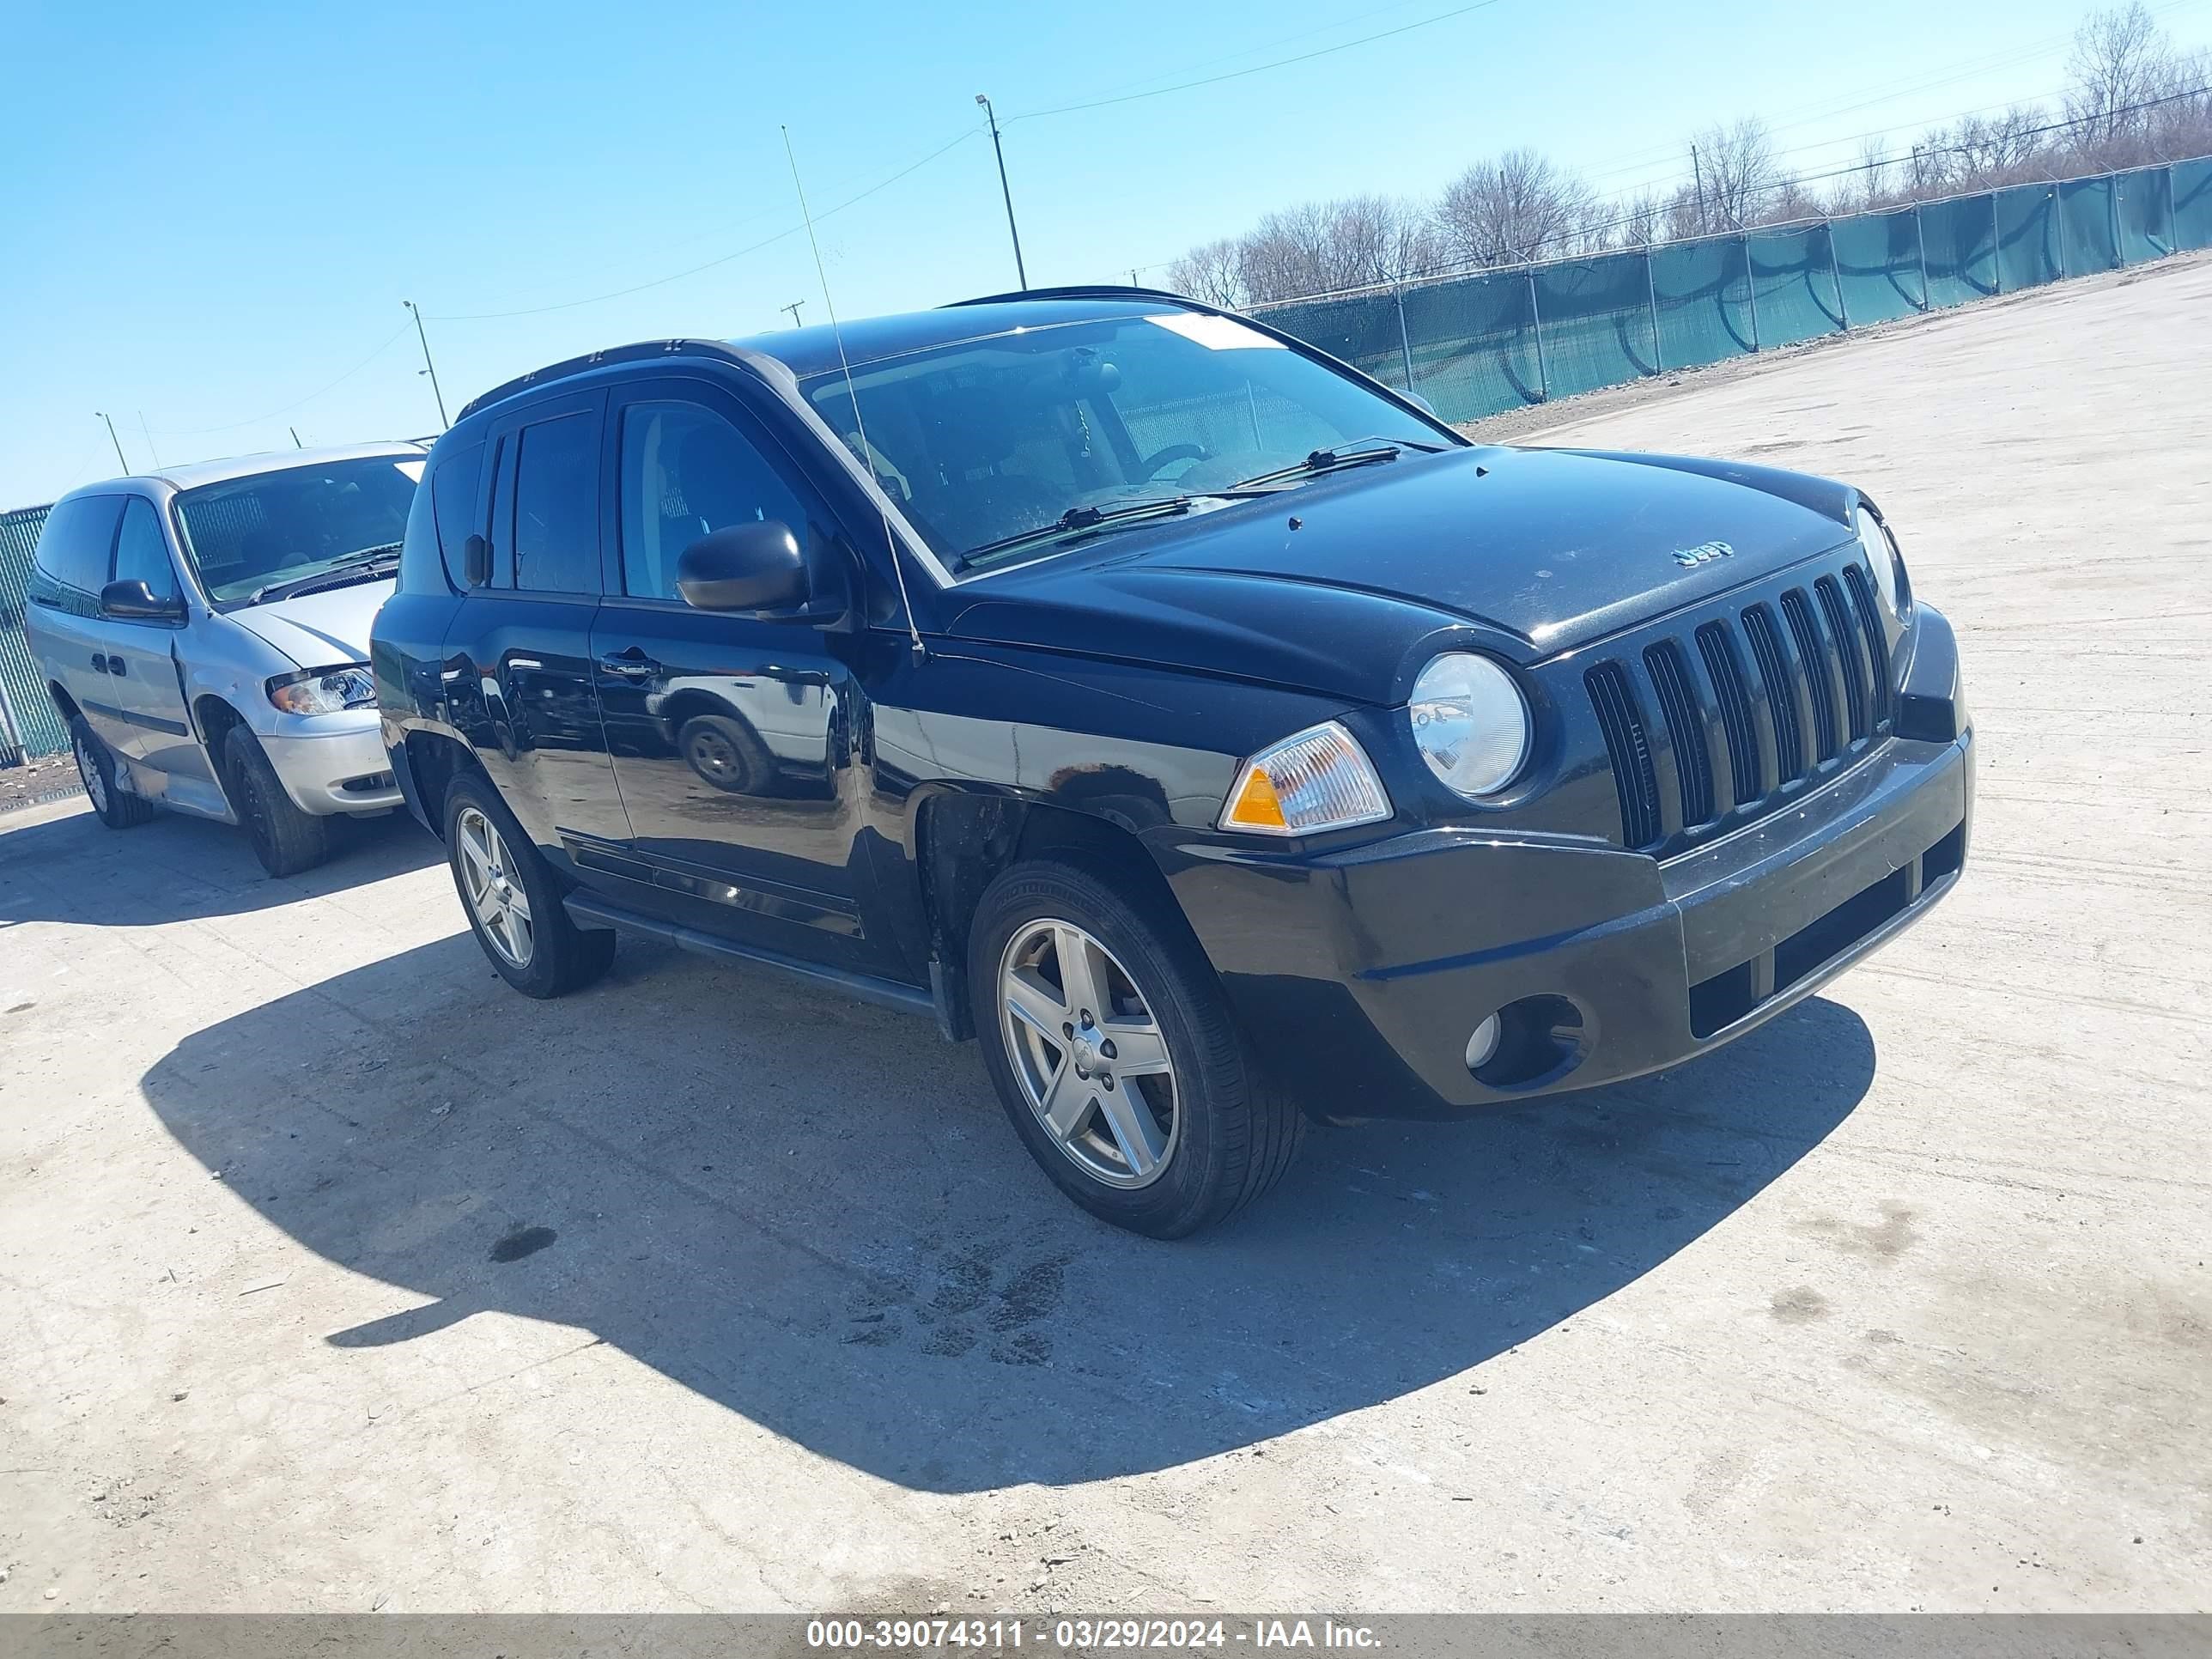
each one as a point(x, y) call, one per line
point(100, 662)
point(116, 665)
point(632, 664)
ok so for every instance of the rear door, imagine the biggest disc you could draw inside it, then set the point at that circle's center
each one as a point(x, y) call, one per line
point(737, 741)
point(518, 670)
point(142, 666)
point(76, 548)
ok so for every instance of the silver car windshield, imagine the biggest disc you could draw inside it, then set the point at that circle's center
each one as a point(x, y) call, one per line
point(983, 442)
point(273, 529)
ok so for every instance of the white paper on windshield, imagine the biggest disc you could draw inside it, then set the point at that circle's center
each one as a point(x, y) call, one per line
point(411, 469)
point(1215, 333)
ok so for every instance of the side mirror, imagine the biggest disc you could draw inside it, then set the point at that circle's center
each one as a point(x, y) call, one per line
point(743, 567)
point(475, 562)
point(133, 601)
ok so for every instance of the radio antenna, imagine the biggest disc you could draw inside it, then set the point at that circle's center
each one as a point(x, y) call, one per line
point(867, 450)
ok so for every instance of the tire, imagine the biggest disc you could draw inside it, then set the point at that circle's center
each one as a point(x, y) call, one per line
point(541, 953)
point(286, 840)
point(1228, 1137)
point(96, 770)
point(725, 753)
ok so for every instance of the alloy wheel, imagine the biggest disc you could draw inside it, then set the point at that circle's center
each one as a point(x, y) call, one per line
point(1088, 1054)
point(493, 888)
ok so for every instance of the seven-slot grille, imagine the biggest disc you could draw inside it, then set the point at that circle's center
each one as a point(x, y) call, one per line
point(1749, 703)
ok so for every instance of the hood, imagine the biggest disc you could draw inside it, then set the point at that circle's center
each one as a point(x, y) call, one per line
point(318, 630)
point(1529, 552)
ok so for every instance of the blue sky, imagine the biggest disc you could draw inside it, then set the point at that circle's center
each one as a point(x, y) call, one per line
point(212, 213)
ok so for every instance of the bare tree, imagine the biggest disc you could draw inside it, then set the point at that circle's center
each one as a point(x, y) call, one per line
point(1519, 207)
point(1641, 221)
point(1737, 172)
point(2121, 60)
point(1379, 239)
point(1210, 272)
point(1873, 172)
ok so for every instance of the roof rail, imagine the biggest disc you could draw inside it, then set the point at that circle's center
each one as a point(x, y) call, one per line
point(1088, 291)
point(628, 354)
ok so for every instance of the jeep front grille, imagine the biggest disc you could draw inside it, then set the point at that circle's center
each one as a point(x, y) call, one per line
point(1716, 719)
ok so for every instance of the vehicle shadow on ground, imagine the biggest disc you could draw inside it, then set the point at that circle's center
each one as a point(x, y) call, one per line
point(73, 868)
point(813, 1213)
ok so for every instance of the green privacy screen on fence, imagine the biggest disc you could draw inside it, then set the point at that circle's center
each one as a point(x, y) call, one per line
point(1474, 345)
point(37, 726)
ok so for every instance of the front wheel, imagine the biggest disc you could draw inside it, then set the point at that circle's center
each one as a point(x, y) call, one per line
point(1116, 1058)
point(512, 900)
point(286, 840)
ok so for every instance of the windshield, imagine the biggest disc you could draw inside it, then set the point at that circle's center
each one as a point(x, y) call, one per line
point(277, 528)
point(981, 442)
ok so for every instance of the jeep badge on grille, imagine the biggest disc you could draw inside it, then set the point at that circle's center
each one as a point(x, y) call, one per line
point(1703, 553)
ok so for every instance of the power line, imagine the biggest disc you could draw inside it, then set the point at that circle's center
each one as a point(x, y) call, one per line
point(206, 431)
point(1256, 69)
point(677, 277)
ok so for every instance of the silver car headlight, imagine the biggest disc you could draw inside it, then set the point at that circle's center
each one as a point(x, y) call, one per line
point(324, 690)
point(1471, 723)
point(1888, 566)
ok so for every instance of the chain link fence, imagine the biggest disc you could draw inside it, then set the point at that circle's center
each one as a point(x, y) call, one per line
point(29, 726)
point(1478, 344)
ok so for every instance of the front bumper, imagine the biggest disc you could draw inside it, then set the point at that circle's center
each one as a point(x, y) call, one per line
point(1360, 976)
point(333, 763)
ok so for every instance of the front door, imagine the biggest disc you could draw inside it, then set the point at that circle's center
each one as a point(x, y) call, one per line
point(142, 663)
point(735, 740)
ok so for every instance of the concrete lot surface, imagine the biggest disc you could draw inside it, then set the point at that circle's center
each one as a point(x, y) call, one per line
point(337, 1276)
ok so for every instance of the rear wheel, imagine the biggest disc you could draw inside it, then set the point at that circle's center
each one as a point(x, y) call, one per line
point(513, 899)
point(96, 769)
point(286, 840)
point(1116, 1058)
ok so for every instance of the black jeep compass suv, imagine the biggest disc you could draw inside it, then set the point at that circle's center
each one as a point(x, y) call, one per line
point(1207, 729)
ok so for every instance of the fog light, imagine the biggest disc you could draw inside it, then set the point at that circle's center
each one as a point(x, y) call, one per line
point(1483, 1043)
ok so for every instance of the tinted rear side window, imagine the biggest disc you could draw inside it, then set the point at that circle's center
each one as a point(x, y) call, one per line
point(70, 565)
point(557, 507)
point(454, 484)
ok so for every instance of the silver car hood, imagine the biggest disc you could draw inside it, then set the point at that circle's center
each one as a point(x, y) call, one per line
point(320, 630)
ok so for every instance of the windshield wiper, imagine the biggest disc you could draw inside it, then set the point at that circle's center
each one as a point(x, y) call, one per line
point(1077, 519)
point(364, 566)
point(1353, 451)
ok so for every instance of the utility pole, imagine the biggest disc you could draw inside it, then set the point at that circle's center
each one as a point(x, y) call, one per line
point(429, 368)
point(1004, 190)
point(112, 439)
point(793, 309)
point(1698, 174)
point(294, 431)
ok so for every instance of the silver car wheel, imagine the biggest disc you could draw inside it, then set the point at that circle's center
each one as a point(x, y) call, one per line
point(494, 891)
point(1088, 1055)
point(88, 768)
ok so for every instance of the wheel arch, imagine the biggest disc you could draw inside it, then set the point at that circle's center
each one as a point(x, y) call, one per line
point(432, 761)
point(965, 838)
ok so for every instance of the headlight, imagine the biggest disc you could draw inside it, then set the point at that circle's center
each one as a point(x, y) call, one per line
point(1319, 778)
point(1888, 567)
point(1470, 723)
point(324, 690)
